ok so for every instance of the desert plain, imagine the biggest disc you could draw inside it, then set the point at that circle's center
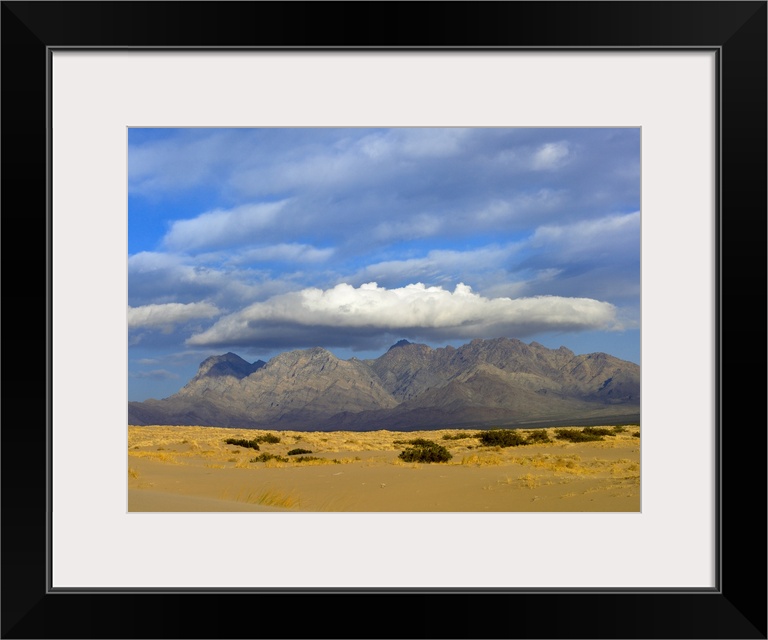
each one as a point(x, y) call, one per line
point(194, 469)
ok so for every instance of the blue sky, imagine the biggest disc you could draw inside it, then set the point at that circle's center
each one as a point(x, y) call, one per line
point(259, 241)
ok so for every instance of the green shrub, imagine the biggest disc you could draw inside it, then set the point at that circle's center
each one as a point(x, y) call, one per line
point(501, 438)
point(264, 457)
point(618, 429)
point(425, 451)
point(242, 442)
point(417, 442)
point(537, 436)
point(306, 458)
point(296, 452)
point(598, 431)
point(271, 438)
point(574, 435)
point(458, 436)
point(636, 434)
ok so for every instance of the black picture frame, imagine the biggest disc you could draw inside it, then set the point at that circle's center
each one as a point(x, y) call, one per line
point(736, 608)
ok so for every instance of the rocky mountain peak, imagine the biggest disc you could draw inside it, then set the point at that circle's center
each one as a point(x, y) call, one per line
point(228, 364)
point(316, 356)
point(399, 343)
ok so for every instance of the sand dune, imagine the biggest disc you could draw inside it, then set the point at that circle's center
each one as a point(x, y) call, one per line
point(186, 469)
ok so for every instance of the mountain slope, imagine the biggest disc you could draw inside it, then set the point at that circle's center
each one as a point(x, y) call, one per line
point(502, 381)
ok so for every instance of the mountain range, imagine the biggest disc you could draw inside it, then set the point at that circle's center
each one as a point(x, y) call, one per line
point(502, 382)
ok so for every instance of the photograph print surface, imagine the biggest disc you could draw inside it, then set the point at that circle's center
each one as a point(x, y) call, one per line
point(384, 319)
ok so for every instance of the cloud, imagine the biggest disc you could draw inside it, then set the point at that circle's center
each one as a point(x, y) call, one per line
point(523, 207)
point(443, 266)
point(419, 226)
point(168, 315)
point(552, 155)
point(156, 278)
point(616, 233)
point(223, 228)
point(344, 315)
point(284, 252)
point(429, 142)
point(177, 159)
point(157, 374)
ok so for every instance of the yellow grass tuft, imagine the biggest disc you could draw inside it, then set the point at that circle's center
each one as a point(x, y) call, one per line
point(132, 473)
point(161, 456)
point(268, 497)
point(274, 498)
point(481, 460)
point(529, 480)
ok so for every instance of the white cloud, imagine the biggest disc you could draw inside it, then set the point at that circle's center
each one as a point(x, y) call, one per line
point(167, 315)
point(155, 374)
point(418, 226)
point(430, 142)
point(284, 252)
point(186, 160)
point(223, 227)
point(441, 266)
point(548, 156)
point(159, 278)
point(611, 234)
point(552, 155)
point(519, 209)
point(340, 313)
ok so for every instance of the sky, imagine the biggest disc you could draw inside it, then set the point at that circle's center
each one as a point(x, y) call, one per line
point(259, 241)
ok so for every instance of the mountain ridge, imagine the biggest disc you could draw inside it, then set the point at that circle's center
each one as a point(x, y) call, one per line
point(410, 386)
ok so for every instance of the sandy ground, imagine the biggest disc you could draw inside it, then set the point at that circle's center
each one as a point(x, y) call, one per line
point(193, 469)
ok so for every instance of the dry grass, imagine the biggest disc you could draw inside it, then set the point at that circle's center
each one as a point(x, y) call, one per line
point(529, 481)
point(182, 445)
point(483, 459)
point(558, 468)
point(268, 497)
point(160, 456)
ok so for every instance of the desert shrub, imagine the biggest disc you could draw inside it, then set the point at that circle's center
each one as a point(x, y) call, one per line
point(264, 457)
point(416, 442)
point(425, 451)
point(636, 434)
point(574, 435)
point(270, 438)
point(618, 429)
point(537, 436)
point(296, 452)
point(458, 436)
point(306, 458)
point(242, 442)
point(501, 438)
point(598, 431)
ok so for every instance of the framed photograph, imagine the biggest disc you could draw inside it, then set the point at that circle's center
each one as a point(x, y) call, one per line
point(232, 151)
